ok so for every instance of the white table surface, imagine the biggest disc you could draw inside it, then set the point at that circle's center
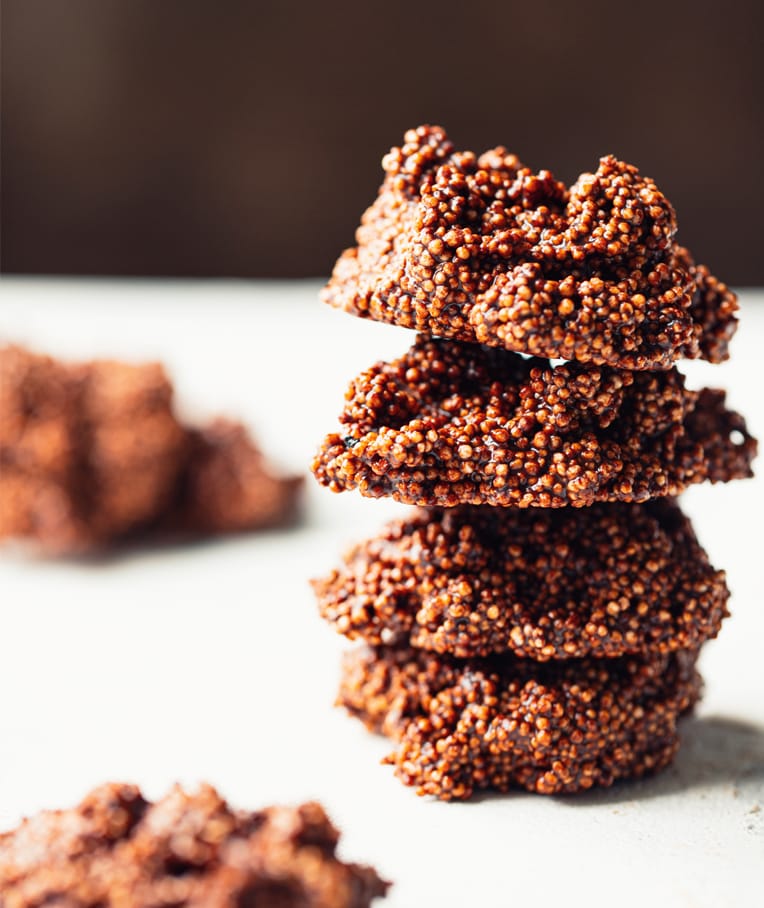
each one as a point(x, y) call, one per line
point(208, 662)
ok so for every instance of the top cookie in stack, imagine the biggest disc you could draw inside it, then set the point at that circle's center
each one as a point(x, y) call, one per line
point(481, 249)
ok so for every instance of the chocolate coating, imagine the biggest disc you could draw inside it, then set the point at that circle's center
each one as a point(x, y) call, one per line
point(545, 584)
point(502, 723)
point(481, 249)
point(116, 850)
point(450, 423)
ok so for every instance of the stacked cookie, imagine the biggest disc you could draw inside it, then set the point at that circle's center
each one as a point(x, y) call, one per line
point(536, 621)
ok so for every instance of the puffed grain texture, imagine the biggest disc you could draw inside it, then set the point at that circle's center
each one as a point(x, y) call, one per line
point(450, 423)
point(116, 850)
point(459, 726)
point(481, 249)
point(603, 581)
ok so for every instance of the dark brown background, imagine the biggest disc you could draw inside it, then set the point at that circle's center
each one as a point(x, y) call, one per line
point(160, 137)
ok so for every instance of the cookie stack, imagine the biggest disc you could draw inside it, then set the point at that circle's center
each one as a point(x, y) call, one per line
point(536, 621)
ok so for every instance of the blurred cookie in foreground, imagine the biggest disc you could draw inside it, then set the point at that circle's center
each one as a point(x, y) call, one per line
point(92, 454)
point(118, 849)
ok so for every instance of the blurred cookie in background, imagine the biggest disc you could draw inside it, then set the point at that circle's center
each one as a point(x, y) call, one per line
point(92, 454)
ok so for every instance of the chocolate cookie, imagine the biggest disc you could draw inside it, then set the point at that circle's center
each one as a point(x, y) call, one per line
point(88, 452)
point(546, 584)
point(482, 249)
point(228, 485)
point(450, 423)
point(92, 454)
point(115, 849)
point(503, 723)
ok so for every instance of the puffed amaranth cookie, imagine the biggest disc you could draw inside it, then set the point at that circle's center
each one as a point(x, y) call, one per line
point(229, 486)
point(88, 452)
point(603, 581)
point(450, 423)
point(501, 723)
point(92, 454)
point(117, 850)
point(481, 249)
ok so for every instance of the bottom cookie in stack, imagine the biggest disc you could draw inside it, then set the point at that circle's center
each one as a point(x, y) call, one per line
point(502, 722)
point(551, 650)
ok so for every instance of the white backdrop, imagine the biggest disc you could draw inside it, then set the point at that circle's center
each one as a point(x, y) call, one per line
point(208, 662)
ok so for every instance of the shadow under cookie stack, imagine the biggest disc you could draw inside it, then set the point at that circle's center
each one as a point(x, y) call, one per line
point(536, 621)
